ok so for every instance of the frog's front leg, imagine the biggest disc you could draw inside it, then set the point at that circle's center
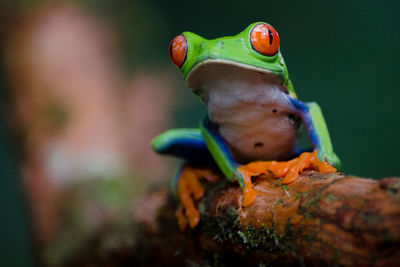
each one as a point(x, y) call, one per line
point(320, 159)
point(223, 158)
point(317, 130)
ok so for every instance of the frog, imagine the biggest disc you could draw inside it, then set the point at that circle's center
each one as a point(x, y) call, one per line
point(253, 118)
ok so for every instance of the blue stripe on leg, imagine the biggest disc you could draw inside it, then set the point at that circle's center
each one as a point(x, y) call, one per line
point(305, 113)
point(187, 144)
point(220, 152)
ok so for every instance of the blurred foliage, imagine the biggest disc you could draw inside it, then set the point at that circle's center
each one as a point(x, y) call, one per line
point(341, 54)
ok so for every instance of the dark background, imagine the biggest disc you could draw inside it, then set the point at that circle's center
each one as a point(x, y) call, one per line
point(342, 54)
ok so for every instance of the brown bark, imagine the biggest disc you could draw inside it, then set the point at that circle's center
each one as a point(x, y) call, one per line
point(321, 219)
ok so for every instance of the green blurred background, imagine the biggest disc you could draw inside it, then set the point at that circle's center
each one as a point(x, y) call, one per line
point(342, 54)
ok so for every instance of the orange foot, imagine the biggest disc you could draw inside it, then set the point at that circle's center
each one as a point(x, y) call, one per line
point(190, 189)
point(289, 170)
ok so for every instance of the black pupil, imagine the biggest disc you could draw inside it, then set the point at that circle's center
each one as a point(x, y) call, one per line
point(270, 37)
point(170, 48)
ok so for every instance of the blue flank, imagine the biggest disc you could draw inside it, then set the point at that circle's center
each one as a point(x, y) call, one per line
point(305, 113)
point(222, 146)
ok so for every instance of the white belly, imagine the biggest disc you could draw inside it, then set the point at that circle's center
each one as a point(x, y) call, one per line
point(259, 128)
point(250, 108)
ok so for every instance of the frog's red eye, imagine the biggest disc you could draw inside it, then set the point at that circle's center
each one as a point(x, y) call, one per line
point(264, 39)
point(178, 49)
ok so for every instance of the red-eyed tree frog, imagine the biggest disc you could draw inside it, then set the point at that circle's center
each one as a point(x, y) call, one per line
point(253, 117)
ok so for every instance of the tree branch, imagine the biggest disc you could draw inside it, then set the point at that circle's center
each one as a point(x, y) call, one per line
point(320, 219)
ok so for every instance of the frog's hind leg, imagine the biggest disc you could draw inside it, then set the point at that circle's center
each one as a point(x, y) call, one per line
point(189, 145)
point(188, 190)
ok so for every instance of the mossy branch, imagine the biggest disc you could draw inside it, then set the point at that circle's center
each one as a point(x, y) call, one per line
point(328, 219)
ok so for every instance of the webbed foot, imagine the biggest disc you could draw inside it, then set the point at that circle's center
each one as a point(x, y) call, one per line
point(189, 189)
point(289, 170)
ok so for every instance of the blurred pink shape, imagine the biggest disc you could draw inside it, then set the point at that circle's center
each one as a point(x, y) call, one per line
point(77, 116)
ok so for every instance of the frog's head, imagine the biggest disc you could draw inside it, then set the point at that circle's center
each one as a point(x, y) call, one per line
point(254, 50)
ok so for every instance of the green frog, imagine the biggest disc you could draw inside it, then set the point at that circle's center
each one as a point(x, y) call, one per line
point(253, 119)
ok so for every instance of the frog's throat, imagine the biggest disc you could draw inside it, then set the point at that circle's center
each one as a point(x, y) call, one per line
point(192, 78)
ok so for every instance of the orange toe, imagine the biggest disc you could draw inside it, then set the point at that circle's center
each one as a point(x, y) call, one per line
point(279, 169)
point(249, 195)
point(193, 216)
point(256, 168)
point(307, 160)
point(189, 189)
point(185, 193)
point(324, 166)
point(193, 183)
point(303, 161)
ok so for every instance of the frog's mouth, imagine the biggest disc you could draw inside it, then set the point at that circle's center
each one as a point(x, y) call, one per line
point(232, 77)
